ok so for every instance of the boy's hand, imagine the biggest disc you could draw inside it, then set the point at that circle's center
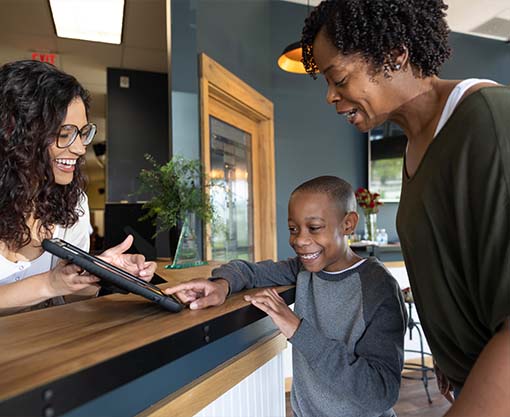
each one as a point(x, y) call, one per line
point(270, 302)
point(201, 293)
point(133, 263)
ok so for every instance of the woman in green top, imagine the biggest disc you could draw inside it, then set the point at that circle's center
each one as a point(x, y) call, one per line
point(380, 59)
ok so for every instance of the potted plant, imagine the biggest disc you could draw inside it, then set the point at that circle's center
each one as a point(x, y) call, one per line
point(177, 191)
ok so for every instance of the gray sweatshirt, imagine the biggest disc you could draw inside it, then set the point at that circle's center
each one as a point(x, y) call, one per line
point(348, 350)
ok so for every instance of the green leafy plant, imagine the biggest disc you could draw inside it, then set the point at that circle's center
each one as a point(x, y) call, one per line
point(177, 188)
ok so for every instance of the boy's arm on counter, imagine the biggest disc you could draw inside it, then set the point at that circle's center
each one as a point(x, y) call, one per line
point(244, 275)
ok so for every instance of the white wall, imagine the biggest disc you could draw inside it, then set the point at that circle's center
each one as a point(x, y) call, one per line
point(261, 394)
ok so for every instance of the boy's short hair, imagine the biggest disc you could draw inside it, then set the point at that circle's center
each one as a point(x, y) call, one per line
point(338, 190)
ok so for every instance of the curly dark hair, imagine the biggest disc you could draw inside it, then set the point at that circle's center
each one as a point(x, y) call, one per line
point(34, 97)
point(377, 29)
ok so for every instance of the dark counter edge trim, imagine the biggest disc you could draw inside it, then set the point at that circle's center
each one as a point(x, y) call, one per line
point(64, 394)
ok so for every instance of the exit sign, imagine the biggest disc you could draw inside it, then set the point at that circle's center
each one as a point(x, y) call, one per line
point(45, 57)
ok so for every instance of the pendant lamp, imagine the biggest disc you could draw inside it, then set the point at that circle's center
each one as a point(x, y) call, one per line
point(290, 58)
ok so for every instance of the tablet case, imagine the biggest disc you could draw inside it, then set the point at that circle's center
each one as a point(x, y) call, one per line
point(111, 274)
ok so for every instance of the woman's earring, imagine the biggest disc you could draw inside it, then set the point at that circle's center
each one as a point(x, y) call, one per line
point(386, 70)
point(397, 67)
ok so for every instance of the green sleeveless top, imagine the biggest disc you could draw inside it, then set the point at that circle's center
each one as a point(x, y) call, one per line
point(454, 227)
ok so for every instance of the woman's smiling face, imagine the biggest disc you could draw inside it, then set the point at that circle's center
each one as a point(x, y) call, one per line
point(317, 231)
point(64, 160)
point(357, 92)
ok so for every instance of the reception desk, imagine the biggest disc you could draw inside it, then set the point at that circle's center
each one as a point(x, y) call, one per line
point(121, 355)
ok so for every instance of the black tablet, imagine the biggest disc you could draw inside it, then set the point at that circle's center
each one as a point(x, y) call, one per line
point(111, 274)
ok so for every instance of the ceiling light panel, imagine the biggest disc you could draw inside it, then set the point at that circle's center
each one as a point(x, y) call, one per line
point(89, 20)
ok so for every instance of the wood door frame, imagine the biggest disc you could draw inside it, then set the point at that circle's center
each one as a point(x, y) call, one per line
point(219, 84)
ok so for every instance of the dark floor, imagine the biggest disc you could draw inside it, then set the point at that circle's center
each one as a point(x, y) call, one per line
point(413, 401)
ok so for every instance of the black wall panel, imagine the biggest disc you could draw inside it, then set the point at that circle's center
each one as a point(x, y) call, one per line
point(137, 123)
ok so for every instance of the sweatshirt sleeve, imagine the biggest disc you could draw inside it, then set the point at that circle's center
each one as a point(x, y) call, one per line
point(244, 275)
point(371, 373)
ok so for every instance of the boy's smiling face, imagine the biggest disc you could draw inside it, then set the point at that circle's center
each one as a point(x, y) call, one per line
point(317, 231)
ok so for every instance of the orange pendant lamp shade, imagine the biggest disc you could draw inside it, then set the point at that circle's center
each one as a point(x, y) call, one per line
point(290, 59)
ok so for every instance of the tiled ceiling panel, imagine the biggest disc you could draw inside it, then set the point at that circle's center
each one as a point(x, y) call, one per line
point(138, 33)
point(26, 17)
point(27, 25)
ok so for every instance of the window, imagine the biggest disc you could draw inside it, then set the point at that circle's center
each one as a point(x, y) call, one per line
point(387, 144)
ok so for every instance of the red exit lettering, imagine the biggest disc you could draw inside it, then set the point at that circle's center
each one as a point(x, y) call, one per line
point(49, 58)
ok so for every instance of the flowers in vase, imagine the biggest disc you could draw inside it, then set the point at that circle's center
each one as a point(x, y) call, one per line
point(408, 295)
point(369, 202)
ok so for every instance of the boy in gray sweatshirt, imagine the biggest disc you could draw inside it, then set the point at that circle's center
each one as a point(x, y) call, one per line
point(347, 328)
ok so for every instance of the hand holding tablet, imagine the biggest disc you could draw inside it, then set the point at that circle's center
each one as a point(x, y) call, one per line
point(111, 274)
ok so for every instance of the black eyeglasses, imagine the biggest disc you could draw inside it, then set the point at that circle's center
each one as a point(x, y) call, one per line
point(68, 134)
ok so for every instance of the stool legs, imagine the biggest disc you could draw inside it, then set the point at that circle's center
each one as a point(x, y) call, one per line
point(421, 367)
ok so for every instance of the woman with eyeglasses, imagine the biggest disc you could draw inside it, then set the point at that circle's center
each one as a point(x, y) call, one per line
point(44, 132)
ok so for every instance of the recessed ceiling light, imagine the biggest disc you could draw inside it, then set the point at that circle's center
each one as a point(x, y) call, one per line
point(89, 20)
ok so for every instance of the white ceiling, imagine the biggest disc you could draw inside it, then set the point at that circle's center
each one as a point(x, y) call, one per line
point(27, 26)
point(487, 18)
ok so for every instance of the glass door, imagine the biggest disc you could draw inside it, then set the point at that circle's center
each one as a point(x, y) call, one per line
point(231, 193)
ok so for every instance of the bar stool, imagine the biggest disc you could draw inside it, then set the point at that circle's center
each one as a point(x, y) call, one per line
point(420, 367)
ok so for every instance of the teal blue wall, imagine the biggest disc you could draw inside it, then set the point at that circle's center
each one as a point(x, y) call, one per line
point(184, 78)
point(236, 34)
point(246, 37)
point(310, 138)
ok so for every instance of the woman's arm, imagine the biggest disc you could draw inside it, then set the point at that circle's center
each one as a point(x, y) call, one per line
point(487, 388)
point(64, 279)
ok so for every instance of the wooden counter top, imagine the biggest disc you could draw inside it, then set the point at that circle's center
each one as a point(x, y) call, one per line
point(41, 350)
